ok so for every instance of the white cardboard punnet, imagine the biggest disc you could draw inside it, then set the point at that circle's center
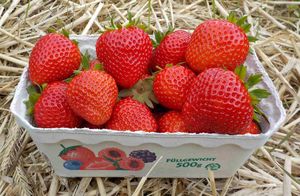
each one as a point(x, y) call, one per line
point(183, 155)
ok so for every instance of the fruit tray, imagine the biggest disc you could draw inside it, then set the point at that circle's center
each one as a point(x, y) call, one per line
point(177, 154)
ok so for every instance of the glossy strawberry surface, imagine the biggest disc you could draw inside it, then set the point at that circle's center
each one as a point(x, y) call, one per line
point(172, 122)
point(217, 43)
point(218, 102)
point(52, 109)
point(92, 95)
point(170, 86)
point(132, 115)
point(53, 58)
point(125, 54)
point(172, 49)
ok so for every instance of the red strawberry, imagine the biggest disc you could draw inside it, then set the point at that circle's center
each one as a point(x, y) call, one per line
point(170, 86)
point(217, 43)
point(78, 153)
point(94, 62)
point(253, 128)
point(125, 54)
point(218, 102)
point(53, 58)
point(171, 49)
point(132, 115)
point(172, 122)
point(52, 109)
point(92, 95)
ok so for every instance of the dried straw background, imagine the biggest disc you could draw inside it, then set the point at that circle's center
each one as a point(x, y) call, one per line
point(273, 170)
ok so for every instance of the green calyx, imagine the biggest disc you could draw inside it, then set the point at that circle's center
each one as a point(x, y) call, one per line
point(131, 23)
point(84, 66)
point(241, 22)
point(142, 91)
point(63, 32)
point(34, 92)
point(67, 149)
point(256, 94)
point(159, 36)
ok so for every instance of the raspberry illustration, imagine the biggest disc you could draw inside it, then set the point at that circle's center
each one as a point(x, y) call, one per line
point(145, 155)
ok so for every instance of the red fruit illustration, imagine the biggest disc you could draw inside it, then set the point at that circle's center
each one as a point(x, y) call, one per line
point(53, 58)
point(98, 164)
point(78, 153)
point(112, 154)
point(132, 164)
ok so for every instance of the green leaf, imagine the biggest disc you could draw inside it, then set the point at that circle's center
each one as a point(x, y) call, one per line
point(65, 33)
point(75, 42)
point(241, 71)
point(246, 27)
point(51, 30)
point(65, 150)
point(241, 21)
point(98, 66)
point(125, 93)
point(232, 18)
point(85, 62)
point(253, 80)
point(260, 93)
point(34, 95)
point(252, 38)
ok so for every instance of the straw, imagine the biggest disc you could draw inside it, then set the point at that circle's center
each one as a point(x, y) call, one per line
point(271, 170)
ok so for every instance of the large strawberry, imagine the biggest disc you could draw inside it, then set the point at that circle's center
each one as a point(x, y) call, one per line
point(92, 95)
point(125, 54)
point(132, 115)
point(53, 58)
point(218, 43)
point(52, 109)
point(218, 101)
point(77, 153)
point(171, 49)
point(170, 86)
point(172, 122)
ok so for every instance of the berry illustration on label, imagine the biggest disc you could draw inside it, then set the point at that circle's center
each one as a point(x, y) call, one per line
point(112, 158)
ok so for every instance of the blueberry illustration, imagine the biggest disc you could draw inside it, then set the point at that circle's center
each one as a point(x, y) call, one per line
point(72, 165)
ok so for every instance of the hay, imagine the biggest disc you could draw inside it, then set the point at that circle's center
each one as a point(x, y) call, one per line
point(272, 170)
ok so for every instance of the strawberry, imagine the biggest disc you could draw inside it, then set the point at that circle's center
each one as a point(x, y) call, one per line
point(253, 128)
point(92, 95)
point(131, 115)
point(217, 43)
point(52, 109)
point(78, 153)
point(170, 86)
point(125, 54)
point(94, 63)
point(219, 101)
point(53, 58)
point(172, 122)
point(171, 49)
